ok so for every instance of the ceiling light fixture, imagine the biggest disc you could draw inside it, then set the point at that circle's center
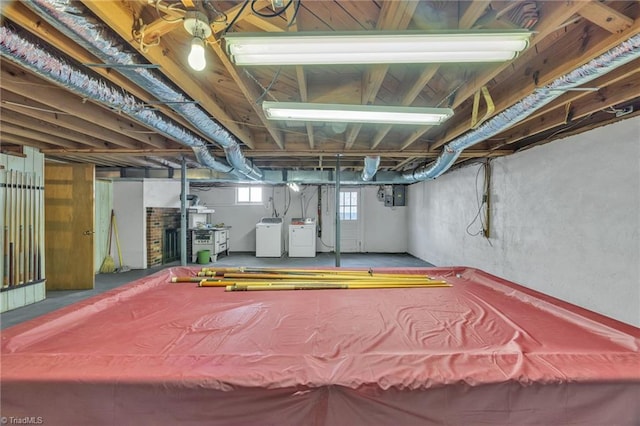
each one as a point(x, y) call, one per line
point(294, 186)
point(314, 48)
point(355, 113)
point(197, 24)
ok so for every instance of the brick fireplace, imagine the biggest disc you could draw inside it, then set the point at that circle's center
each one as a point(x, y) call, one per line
point(163, 229)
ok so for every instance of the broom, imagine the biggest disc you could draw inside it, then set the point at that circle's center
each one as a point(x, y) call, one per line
point(123, 268)
point(108, 265)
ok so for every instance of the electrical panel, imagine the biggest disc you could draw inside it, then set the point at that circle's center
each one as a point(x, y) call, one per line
point(399, 195)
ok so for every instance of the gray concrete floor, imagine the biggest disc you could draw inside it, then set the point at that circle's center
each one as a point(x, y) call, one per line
point(105, 282)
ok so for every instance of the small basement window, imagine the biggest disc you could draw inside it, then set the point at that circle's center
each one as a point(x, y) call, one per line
point(348, 205)
point(249, 195)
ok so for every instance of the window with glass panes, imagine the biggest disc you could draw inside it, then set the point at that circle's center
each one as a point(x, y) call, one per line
point(248, 194)
point(348, 205)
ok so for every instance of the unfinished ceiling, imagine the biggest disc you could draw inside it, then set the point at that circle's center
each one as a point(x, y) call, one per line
point(214, 117)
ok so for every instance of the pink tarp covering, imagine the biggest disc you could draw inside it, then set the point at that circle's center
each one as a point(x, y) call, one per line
point(483, 352)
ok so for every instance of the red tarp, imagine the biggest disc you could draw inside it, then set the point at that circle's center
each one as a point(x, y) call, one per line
point(483, 352)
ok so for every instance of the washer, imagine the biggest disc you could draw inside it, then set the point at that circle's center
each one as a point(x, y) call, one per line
point(269, 237)
point(302, 237)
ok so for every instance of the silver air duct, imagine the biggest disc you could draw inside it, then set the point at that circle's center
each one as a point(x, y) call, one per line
point(75, 21)
point(371, 164)
point(25, 53)
point(623, 53)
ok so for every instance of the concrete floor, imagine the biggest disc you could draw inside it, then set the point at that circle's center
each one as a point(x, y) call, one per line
point(105, 282)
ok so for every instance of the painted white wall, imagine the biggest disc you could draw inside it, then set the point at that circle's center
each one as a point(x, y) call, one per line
point(161, 193)
point(130, 201)
point(384, 228)
point(565, 220)
point(131, 220)
point(243, 218)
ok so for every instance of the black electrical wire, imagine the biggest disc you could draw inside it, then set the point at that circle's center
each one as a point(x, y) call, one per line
point(295, 14)
point(269, 15)
point(235, 18)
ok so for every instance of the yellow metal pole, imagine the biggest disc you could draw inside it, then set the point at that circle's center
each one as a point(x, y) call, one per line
point(323, 286)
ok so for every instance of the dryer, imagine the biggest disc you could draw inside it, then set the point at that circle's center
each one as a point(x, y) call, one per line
point(269, 237)
point(302, 237)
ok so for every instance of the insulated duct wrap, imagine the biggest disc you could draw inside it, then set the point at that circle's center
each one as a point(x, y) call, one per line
point(74, 20)
point(27, 54)
point(625, 52)
point(371, 164)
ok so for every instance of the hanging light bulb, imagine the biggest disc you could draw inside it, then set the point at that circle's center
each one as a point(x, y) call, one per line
point(196, 58)
point(197, 24)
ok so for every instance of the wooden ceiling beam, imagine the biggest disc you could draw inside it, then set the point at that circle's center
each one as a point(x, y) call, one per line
point(23, 83)
point(475, 10)
point(591, 102)
point(552, 73)
point(8, 138)
point(268, 153)
point(395, 15)
point(25, 106)
point(300, 76)
point(31, 22)
point(554, 17)
point(119, 18)
point(9, 128)
point(250, 91)
point(606, 17)
point(245, 13)
point(619, 74)
point(29, 122)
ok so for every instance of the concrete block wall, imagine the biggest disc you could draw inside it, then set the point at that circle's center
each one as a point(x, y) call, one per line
point(565, 219)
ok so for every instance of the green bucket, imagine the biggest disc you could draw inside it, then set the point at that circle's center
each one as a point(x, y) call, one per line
point(204, 256)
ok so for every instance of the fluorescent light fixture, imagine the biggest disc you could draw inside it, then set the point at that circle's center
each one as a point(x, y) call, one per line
point(355, 113)
point(371, 47)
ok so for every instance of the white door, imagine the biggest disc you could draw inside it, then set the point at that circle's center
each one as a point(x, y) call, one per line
point(350, 220)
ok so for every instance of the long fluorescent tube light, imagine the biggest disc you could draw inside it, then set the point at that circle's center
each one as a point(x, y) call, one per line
point(314, 48)
point(355, 113)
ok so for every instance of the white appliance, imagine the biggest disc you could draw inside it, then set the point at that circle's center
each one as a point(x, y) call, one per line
point(199, 217)
point(269, 237)
point(302, 237)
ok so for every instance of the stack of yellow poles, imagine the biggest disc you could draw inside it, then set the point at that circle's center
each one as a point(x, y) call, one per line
point(246, 279)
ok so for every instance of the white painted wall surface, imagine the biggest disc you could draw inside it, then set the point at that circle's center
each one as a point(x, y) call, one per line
point(162, 193)
point(384, 228)
point(131, 219)
point(565, 220)
point(243, 217)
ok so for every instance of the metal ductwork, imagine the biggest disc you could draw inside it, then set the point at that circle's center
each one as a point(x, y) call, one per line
point(27, 54)
point(75, 21)
point(623, 53)
point(371, 164)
